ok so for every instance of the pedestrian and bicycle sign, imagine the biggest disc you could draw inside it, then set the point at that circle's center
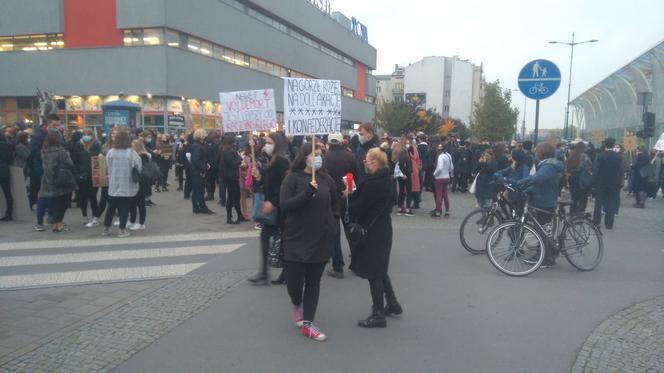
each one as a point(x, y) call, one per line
point(539, 79)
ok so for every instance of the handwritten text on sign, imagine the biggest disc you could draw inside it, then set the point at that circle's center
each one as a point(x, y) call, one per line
point(248, 110)
point(312, 106)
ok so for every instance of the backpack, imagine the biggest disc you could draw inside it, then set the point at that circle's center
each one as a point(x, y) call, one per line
point(150, 173)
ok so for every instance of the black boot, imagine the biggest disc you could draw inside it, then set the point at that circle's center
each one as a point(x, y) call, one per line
point(376, 320)
point(393, 308)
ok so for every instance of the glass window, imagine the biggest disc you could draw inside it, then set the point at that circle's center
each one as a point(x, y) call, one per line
point(172, 38)
point(194, 44)
point(229, 55)
point(206, 48)
point(6, 44)
point(26, 103)
point(154, 120)
point(94, 120)
point(153, 36)
point(253, 63)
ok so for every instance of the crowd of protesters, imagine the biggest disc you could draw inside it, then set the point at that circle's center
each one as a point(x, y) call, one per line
point(306, 190)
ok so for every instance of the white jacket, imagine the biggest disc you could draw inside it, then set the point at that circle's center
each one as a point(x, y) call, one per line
point(444, 166)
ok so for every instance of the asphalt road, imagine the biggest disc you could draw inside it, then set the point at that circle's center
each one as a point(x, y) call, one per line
point(461, 315)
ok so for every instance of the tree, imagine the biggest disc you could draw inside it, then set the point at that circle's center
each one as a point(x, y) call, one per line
point(393, 117)
point(446, 127)
point(454, 127)
point(494, 117)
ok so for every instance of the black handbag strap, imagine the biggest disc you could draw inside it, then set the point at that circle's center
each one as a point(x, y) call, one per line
point(386, 208)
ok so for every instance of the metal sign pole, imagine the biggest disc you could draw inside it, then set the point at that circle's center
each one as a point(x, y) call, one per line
point(535, 135)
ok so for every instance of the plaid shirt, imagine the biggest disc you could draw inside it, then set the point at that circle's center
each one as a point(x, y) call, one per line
point(120, 163)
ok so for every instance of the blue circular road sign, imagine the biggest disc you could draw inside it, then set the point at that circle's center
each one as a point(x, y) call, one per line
point(539, 79)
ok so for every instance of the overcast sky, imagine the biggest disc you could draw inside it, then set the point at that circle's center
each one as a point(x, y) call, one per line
point(505, 35)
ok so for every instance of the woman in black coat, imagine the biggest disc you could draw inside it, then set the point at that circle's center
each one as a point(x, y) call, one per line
point(230, 164)
point(6, 158)
point(269, 173)
point(312, 215)
point(371, 205)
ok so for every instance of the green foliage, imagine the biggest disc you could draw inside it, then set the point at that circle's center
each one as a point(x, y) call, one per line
point(494, 117)
point(392, 117)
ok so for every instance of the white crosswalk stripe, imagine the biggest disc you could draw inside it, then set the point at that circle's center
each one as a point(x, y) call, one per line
point(95, 276)
point(74, 262)
point(13, 261)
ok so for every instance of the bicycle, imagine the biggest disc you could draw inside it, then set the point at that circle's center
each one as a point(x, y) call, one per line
point(574, 235)
point(538, 88)
point(474, 226)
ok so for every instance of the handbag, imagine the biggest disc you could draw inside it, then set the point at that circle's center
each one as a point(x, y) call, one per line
point(259, 216)
point(473, 186)
point(150, 173)
point(275, 252)
point(355, 232)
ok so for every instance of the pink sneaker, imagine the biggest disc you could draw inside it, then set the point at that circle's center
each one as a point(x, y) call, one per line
point(310, 330)
point(297, 316)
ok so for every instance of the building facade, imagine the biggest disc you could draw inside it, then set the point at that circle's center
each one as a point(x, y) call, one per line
point(390, 88)
point(447, 84)
point(173, 57)
point(611, 108)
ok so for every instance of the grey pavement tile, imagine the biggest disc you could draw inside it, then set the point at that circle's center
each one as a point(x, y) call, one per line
point(16, 341)
point(5, 351)
point(86, 310)
point(105, 301)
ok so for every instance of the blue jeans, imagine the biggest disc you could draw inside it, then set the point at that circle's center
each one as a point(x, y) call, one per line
point(42, 206)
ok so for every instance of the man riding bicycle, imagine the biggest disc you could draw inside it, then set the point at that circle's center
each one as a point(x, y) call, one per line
point(542, 187)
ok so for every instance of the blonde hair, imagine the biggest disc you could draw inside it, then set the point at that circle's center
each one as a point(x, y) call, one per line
point(139, 147)
point(200, 134)
point(378, 156)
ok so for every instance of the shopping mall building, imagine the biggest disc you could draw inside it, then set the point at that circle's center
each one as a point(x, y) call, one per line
point(173, 57)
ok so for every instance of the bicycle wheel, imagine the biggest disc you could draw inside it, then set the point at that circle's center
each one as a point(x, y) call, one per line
point(582, 243)
point(474, 230)
point(516, 249)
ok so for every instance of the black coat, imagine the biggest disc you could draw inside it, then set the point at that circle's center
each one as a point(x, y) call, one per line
point(311, 218)
point(229, 165)
point(608, 172)
point(199, 159)
point(271, 178)
point(373, 199)
point(6, 159)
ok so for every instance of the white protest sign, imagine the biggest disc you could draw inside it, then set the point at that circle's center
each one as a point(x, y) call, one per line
point(248, 110)
point(312, 106)
point(660, 143)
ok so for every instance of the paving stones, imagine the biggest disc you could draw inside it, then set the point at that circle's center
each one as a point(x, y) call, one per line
point(104, 343)
point(629, 341)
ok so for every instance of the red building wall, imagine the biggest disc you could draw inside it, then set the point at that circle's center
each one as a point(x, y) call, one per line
point(361, 91)
point(91, 23)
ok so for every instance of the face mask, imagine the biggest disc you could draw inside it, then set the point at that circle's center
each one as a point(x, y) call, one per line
point(407, 146)
point(148, 139)
point(318, 162)
point(268, 149)
point(363, 139)
point(367, 169)
point(87, 138)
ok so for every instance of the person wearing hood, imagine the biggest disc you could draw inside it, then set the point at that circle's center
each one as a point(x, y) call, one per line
point(517, 171)
point(543, 189)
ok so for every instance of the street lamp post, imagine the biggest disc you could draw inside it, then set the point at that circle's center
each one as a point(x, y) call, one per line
point(572, 44)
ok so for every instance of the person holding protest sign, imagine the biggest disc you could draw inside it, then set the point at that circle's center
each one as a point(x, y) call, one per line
point(371, 205)
point(310, 202)
point(268, 180)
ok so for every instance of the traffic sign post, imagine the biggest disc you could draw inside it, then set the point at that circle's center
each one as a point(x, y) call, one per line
point(538, 80)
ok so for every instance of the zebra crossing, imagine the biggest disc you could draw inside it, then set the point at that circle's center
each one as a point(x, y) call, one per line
point(73, 262)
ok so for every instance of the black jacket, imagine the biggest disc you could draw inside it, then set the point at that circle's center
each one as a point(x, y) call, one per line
point(271, 178)
point(83, 159)
point(199, 159)
point(484, 189)
point(372, 202)
point(229, 164)
point(6, 158)
point(338, 163)
point(311, 218)
point(361, 155)
point(608, 170)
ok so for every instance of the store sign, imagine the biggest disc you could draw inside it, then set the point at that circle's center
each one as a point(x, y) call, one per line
point(245, 111)
point(176, 121)
point(323, 5)
point(114, 118)
point(312, 106)
point(360, 30)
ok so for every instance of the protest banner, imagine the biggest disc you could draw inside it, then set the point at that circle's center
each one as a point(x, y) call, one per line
point(312, 107)
point(660, 143)
point(246, 111)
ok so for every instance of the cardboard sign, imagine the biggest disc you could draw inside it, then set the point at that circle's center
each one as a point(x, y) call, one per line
point(247, 111)
point(660, 143)
point(630, 142)
point(99, 172)
point(312, 106)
